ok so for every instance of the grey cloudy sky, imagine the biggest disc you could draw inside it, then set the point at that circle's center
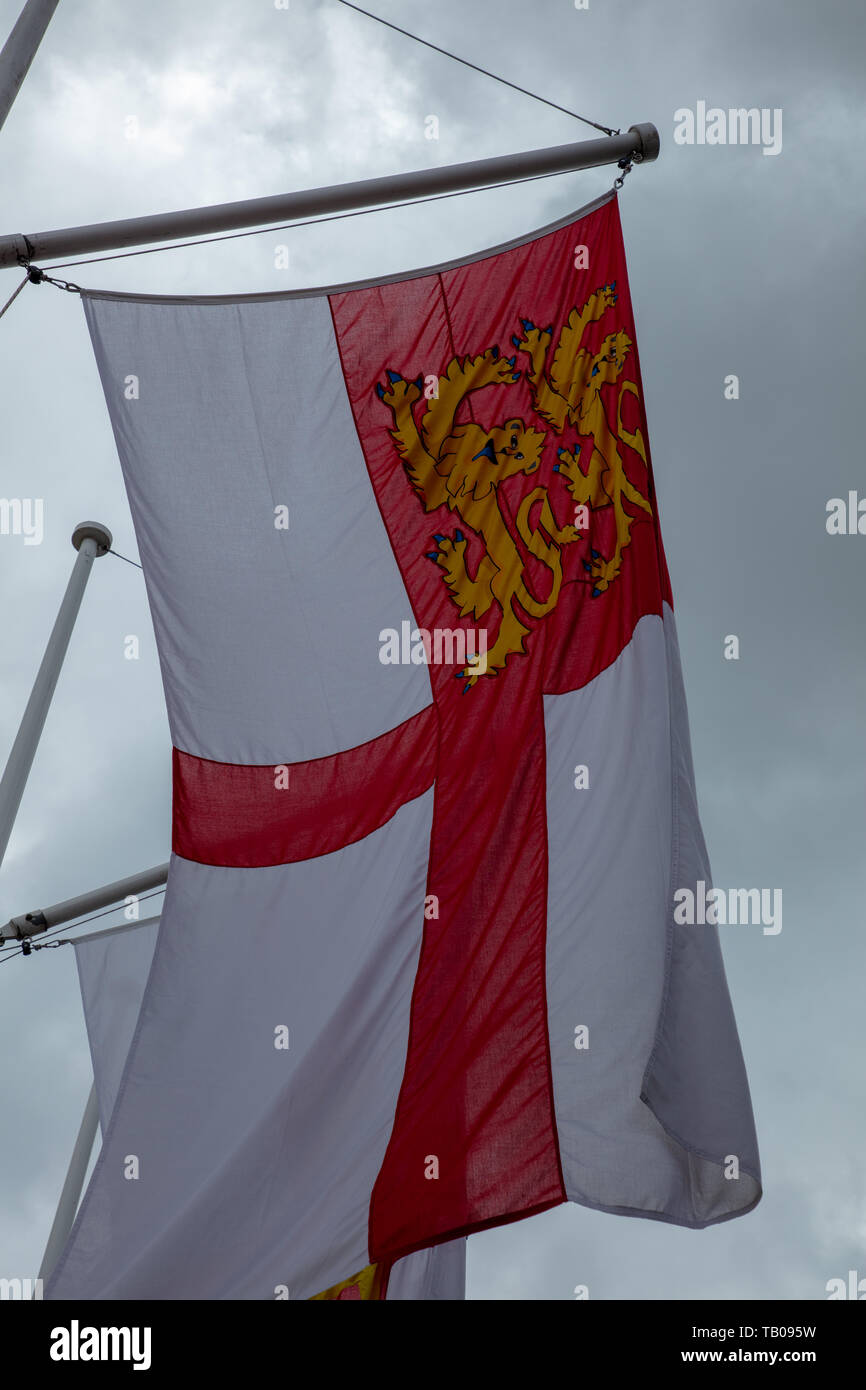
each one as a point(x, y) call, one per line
point(739, 263)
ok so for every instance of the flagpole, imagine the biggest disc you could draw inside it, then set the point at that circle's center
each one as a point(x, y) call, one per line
point(90, 540)
point(68, 1203)
point(639, 142)
point(32, 923)
point(20, 48)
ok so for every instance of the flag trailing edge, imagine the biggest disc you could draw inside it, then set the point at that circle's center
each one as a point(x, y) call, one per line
point(452, 898)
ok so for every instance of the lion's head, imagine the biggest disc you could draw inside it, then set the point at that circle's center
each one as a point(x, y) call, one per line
point(478, 459)
point(609, 361)
point(517, 447)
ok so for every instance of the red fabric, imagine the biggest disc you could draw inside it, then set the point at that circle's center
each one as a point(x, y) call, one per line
point(236, 815)
point(477, 1092)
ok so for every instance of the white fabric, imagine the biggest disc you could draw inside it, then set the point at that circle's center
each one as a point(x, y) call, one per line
point(437, 1275)
point(653, 1147)
point(113, 967)
point(242, 408)
point(242, 1148)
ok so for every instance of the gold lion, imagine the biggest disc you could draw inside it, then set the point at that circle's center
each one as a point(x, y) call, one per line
point(567, 390)
point(461, 466)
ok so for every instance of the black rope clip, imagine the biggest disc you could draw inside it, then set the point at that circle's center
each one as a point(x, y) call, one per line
point(625, 164)
point(36, 276)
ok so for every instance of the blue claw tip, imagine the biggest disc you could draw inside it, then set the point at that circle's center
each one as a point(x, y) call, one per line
point(527, 324)
point(466, 687)
point(380, 390)
point(517, 376)
point(433, 555)
point(511, 360)
point(515, 340)
point(393, 376)
point(494, 352)
point(419, 381)
point(596, 592)
point(595, 554)
point(549, 329)
point(594, 370)
point(556, 468)
point(587, 565)
point(458, 535)
point(437, 537)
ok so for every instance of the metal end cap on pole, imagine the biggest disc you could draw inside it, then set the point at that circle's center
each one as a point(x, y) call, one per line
point(650, 141)
point(94, 531)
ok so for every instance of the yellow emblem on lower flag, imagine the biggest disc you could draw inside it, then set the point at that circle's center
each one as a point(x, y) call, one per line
point(367, 1284)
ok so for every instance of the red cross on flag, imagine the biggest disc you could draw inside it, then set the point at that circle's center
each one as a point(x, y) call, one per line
point(418, 971)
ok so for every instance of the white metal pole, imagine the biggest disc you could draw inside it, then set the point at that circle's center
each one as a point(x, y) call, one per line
point(31, 923)
point(640, 142)
point(90, 539)
point(20, 48)
point(68, 1204)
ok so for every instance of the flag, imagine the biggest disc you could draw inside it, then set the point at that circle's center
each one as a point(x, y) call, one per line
point(113, 965)
point(418, 970)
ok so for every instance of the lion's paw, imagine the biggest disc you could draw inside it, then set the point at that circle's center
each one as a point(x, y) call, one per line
point(532, 337)
point(448, 553)
point(603, 298)
point(568, 534)
point(475, 668)
point(603, 572)
point(500, 370)
point(566, 465)
point(398, 391)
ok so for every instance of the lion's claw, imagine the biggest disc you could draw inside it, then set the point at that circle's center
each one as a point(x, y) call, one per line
point(399, 389)
point(603, 572)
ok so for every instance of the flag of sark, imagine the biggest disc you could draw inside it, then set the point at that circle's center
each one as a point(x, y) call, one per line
point(418, 971)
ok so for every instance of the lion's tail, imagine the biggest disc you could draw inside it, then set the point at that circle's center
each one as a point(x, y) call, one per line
point(534, 607)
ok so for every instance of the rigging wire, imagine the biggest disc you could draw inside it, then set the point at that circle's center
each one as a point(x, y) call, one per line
point(308, 222)
point(37, 275)
point(14, 296)
point(66, 926)
point(465, 61)
point(125, 557)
